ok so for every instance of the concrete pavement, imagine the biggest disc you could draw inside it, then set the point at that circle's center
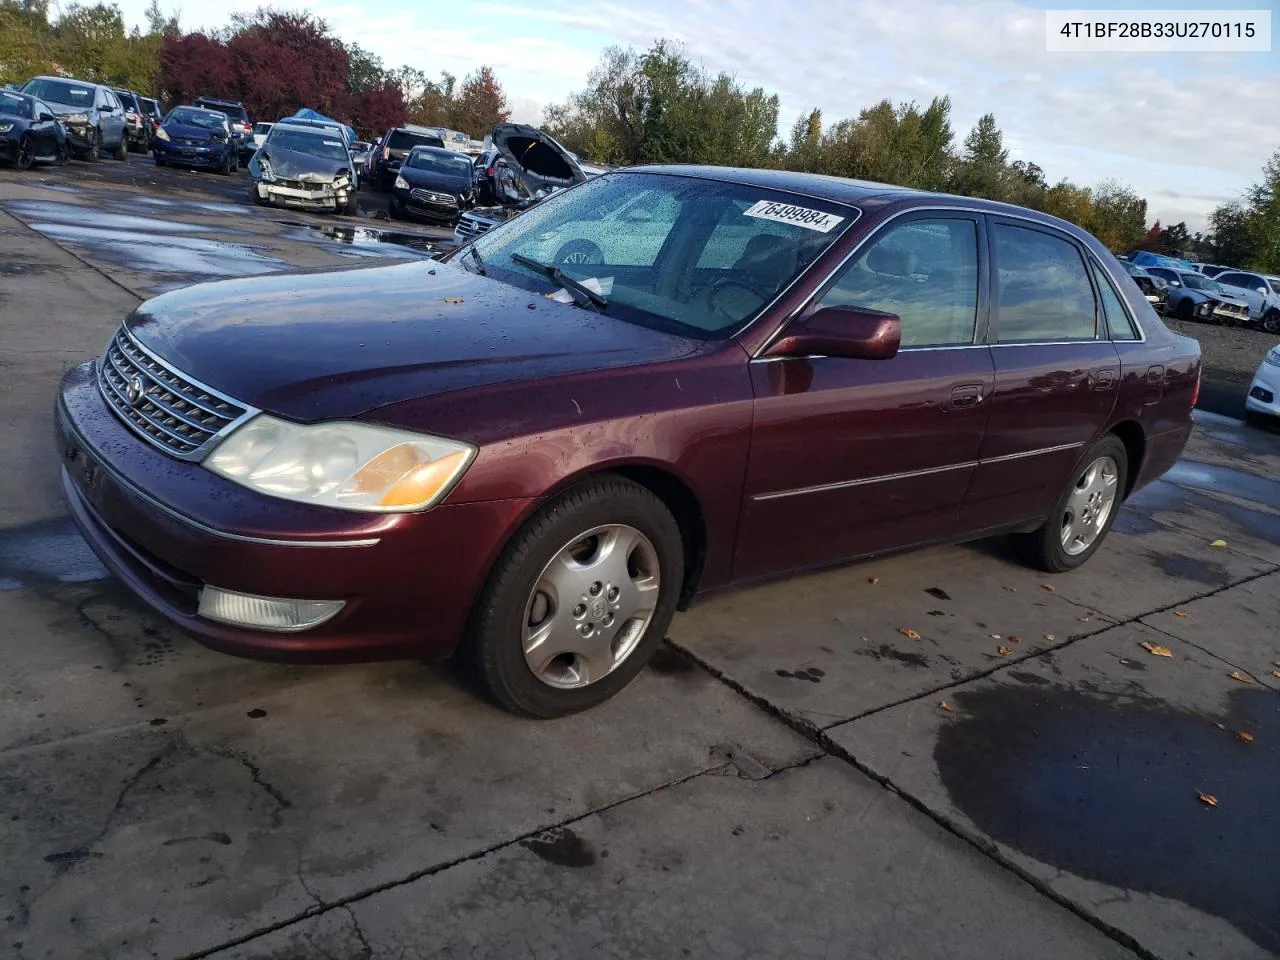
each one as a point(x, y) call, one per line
point(161, 800)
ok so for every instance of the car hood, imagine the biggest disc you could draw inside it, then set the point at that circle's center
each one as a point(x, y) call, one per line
point(61, 109)
point(294, 165)
point(1226, 298)
point(435, 181)
point(537, 160)
point(331, 345)
point(188, 131)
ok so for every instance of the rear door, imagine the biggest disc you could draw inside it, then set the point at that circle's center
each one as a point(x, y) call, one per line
point(852, 457)
point(1057, 375)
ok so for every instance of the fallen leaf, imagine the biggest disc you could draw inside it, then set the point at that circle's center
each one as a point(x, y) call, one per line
point(946, 706)
point(1004, 651)
point(1221, 726)
point(1179, 613)
point(1245, 735)
point(1242, 677)
point(453, 300)
point(996, 636)
point(1156, 650)
point(1047, 586)
point(1276, 674)
point(1219, 544)
point(1083, 619)
point(1011, 589)
point(1015, 639)
point(1208, 799)
point(909, 633)
point(873, 580)
point(1050, 637)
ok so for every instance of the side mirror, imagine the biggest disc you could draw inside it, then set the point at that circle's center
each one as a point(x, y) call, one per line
point(45, 116)
point(1262, 290)
point(107, 108)
point(849, 332)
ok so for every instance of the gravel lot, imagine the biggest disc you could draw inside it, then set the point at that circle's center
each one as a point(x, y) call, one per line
point(1231, 355)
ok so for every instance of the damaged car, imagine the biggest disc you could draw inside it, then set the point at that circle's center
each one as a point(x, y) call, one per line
point(1193, 296)
point(305, 167)
point(524, 166)
point(90, 112)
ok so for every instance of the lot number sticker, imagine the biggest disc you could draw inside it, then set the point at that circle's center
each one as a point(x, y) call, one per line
point(796, 216)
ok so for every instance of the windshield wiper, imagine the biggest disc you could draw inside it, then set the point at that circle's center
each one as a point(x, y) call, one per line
point(475, 255)
point(549, 270)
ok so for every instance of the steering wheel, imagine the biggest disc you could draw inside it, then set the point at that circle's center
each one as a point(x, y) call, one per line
point(736, 298)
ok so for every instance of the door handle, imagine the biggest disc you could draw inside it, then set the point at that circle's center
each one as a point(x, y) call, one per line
point(1103, 379)
point(966, 395)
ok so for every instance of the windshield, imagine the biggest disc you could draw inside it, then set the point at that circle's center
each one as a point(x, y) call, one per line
point(60, 91)
point(127, 99)
point(447, 163)
point(318, 144)
point(205, 119)
point(692, 256)
point(12, 105)
point(1196, 282)
point(149, 107)
point(231, 113)
point(400, 140)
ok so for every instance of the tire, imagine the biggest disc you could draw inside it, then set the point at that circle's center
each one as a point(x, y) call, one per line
point(1271, 322)
point(1048, 548)
point(93, 154)
point(579, 251)
point(613, 511)
point(1184, 310)
point(26, 153)
point(394, 212)
point(351, 208)
point(122, 150)
point(63, 154)
point(225, 169)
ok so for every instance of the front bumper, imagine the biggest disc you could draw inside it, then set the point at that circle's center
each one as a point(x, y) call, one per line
point(8, 148)
point(413, 206)
point(168, 528)
point(1264, 391)
point(319, 197)
point(77, 135)
point(189, 156)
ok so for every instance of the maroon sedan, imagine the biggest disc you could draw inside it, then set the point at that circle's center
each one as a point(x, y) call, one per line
point(664, 381)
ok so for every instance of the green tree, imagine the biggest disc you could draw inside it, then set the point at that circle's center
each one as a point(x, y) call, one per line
point(982, 168)
point(479, 104)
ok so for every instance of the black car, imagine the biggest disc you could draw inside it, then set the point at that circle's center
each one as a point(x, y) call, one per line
point(389, 152)
point(238, 116)
point(29, 132)
point(433, 184)
point(91, 113)
point(137, 131)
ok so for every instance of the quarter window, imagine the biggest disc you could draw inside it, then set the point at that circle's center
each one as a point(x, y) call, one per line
point(926, 272)
point(1043, 291)
point(1118, 320)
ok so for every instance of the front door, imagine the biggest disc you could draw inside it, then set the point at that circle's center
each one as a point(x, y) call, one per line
point(853, 457)
point(1057, 375)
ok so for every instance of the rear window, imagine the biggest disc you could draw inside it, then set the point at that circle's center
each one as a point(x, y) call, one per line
point(262, 129)
point(403, 140)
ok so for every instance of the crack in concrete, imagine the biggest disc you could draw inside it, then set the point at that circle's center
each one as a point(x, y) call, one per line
point(346, 901)
point(129, 784)
point(359, 932)
point(282, 802)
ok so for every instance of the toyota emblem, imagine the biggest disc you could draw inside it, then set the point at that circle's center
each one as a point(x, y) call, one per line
point(135, 391)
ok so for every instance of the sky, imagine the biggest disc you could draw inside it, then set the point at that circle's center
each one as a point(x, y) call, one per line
point(1186, 130)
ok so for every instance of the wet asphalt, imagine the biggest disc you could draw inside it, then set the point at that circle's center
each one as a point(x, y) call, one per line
point(1054, 789)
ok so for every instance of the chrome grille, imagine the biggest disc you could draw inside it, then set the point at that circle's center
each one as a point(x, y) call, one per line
point(429, 196)
point(179, 415)
point(470, 227)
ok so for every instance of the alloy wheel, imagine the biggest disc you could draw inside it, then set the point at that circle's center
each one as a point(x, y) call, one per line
point(26, 153)
point(590, 606)
point(1089, 505)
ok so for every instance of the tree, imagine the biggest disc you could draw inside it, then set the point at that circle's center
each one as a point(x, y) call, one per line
point(1246, 233)
point(981, 172)
point(480, 103)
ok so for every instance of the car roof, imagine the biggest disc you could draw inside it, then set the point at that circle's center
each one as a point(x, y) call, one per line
point(83, 83)
point(308, 126)
point(188, 106)
point(427, 148)
point(225, 103)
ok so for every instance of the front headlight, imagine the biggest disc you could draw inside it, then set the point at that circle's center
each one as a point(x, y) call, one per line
point(5, 127)
point(401, 183)
point(162, 134)
point(76, 118)
point(264, 168)
point(354, 466)
point(1273, 356)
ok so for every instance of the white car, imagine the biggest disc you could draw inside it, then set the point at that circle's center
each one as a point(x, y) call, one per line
point(260, 131)
point(1264, 391)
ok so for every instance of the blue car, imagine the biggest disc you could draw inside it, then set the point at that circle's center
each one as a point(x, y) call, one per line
point(193, 137)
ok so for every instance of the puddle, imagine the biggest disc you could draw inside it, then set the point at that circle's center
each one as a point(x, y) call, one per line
point(1236, 432)
point(1225, 480)
point(48, 551)
point(85, 216)
point(369, 241)
point(1105, 788)
point(1235, 520)
point(59, 187)
point(169, 254)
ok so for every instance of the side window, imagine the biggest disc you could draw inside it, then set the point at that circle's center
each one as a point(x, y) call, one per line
point(1042, 289)
point(926, 272)
point(1118, 320)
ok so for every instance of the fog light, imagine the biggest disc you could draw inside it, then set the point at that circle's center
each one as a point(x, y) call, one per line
point(265, 613)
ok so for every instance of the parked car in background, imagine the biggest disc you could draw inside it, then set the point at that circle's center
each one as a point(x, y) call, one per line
point(359, 150)
point(1263, 398)
point(391, 149)
point(300, 165)
point(260, 131)
point(1260, 292)
point(1211, 269)
point(522, 166)
point(1153, 288)
point(195, 137)
point(1193, 296)
point(1145, 258)
point(91, 114)
point(29, 132)
point(151, 110)
point(137, 130)
point(535, 464)
point(433, 184)
point(237, 118)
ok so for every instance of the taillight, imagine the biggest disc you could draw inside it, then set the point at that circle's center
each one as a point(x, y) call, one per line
point(488, 171)
point(386, 153)
point(1195, 394)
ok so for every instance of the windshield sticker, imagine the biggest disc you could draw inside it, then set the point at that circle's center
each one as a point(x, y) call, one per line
point(332, 143)
point(796, 216)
